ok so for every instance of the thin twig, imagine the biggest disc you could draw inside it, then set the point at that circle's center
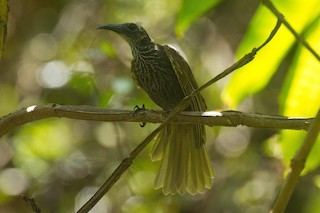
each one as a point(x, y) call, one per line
point(280, 17)
point(183, 104)
point(297, 165)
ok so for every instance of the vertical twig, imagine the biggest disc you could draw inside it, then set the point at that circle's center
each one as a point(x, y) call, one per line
point(296, 167)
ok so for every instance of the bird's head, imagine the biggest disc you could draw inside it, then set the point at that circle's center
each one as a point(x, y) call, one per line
point(133, 33)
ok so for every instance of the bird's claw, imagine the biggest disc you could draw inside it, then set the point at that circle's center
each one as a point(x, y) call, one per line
point(138, 109)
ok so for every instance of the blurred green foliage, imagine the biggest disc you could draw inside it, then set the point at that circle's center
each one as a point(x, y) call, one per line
point(54, 54)
point(299, 79)
point(190, 11)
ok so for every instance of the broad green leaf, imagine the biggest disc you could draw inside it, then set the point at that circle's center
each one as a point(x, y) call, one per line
point(254, 76)
point(302, 97)
point(301, 93)
point(190, 11)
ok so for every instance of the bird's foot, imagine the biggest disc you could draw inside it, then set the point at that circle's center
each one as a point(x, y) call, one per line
point(138, 109)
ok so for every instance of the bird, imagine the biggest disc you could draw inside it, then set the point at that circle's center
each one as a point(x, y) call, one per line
point(160, 70)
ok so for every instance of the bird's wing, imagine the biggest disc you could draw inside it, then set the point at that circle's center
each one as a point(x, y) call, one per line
point(185, 77)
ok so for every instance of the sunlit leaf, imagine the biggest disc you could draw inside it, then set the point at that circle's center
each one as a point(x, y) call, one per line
point(301, 94)
point(302, 97)
point(190, 11)
point(255, 76)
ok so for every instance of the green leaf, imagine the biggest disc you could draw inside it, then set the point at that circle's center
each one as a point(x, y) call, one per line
point(190, 11)
point(301, 97)
point(254, 76)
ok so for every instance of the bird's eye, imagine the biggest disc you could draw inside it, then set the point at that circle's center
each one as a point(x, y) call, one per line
point(132, 27)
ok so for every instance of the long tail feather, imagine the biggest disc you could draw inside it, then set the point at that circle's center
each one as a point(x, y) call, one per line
point(185, 165)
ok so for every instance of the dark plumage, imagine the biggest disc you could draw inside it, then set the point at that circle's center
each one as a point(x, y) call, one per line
point(167, 78)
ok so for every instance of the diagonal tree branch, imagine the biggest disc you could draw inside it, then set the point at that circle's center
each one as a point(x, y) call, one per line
point(210, 118)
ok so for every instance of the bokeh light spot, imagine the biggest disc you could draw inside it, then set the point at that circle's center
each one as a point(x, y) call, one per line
point(13, 181)
point(233, 143)
point(54, 74)
point(122, 85)
point(43, 47)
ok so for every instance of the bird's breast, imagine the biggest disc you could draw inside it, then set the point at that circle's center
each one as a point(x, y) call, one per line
point(155, 75)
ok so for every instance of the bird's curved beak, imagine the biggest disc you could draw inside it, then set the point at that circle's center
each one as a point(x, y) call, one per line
point(118, 28)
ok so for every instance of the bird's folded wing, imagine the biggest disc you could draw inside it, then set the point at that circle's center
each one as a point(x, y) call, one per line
point(185, 77)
